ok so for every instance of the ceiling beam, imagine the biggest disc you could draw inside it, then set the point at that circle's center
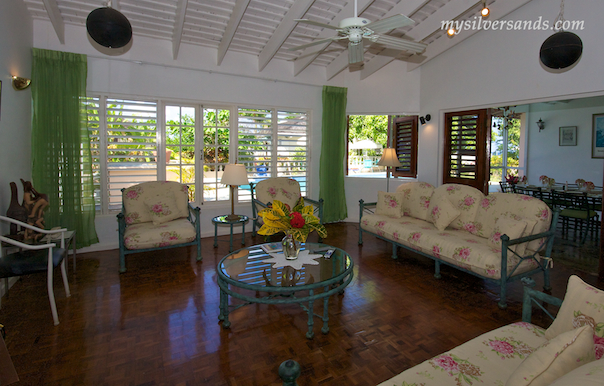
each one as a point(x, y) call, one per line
point(408, 7)
point(287, 25)
point(499, 10)
point(311, 53)
point(231, 28)
point(179, 22)
point(54, 14)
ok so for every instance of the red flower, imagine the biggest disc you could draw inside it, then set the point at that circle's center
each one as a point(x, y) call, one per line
point(297, 221)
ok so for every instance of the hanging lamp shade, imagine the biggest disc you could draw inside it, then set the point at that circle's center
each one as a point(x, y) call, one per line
point(109, 27)
point(561, 50)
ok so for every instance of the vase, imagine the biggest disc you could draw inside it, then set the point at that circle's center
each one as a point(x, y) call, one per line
point(291, 246)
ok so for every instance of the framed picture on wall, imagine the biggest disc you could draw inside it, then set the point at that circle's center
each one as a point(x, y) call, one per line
point(568, 136)
point(597, 136)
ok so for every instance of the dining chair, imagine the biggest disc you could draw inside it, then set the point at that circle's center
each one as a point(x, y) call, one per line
point(578, 212)
point(33, 258)
point(506, 187)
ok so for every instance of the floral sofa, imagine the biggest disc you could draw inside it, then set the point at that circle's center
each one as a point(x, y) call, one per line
point(500, 237)
point(568, 353)
point(156, 215)
point(284, 189)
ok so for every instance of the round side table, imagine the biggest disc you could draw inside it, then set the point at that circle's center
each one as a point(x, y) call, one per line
point(224, 221)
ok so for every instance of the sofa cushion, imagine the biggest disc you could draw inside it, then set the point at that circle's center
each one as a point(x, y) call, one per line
point(484, 360)
point(504, 226)
point(146, 235)
point(416, 199)
point(455, 246)
point(555, 358)
point(390, 204)
point(583, 305)
point(284, 189)
point(442, 213)
point(590, 374)
point(162, 208)
point(134, 197)
point(516, 207)
point(530, 226)
point(466, 199)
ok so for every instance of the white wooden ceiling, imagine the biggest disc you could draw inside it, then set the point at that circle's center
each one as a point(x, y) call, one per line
point(266, 28)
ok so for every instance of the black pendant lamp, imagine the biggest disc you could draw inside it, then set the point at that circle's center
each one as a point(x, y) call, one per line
point(563, 48)
point(109, 27)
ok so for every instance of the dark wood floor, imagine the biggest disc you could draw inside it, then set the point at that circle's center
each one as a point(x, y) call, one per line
point(157, 324)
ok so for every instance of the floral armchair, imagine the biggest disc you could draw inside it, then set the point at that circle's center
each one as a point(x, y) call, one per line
point(284, 189)
point(157, 215)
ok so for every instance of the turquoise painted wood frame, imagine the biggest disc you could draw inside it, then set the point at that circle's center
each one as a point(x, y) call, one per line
point(507, 273)
point(193, 217)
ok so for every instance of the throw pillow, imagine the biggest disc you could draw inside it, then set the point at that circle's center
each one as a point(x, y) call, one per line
point(162, 209)
point(390, 204)
point(530, 225)
point(555, 358)
point(583, 305)
point(443, 213)
point(506, 226)
point(590, 374)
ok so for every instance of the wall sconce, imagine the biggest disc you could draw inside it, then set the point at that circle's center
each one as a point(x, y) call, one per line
point(425, 119)
point(485, 11)
point(20, 83)
point(541, 124)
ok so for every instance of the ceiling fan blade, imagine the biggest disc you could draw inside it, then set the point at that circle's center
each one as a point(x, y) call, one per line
point(303, 46)
point(320, 52)
point(355, 52)
point(307, 21)
point(399, 44)
point(390, 23)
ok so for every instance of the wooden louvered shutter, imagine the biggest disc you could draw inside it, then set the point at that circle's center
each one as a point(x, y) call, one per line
point(405, 143)
point(466, 135)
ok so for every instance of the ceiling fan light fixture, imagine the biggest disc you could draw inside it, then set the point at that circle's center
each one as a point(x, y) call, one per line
point(485, 11)
point(451, 31)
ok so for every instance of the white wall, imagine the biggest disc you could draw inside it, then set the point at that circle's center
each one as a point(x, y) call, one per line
point(564, 163)
point(15, 106)
point(147, 69)
point(498, 68)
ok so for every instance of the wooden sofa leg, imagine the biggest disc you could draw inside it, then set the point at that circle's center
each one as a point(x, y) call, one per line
point(437, 269)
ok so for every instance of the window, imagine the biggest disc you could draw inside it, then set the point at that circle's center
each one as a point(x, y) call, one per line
point(465, 157)
point(506, 147)
point(368, 135)
point(129, 147)
point(273, 143)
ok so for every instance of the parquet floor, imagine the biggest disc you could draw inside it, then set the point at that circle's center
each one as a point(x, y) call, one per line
point(157, 324)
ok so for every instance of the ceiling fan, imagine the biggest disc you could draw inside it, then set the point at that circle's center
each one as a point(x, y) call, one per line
point(356, 29)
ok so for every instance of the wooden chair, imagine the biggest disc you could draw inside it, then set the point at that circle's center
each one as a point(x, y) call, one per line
point(34, 258)
point(578, 212)
point(506, 187)
point(284, 189)
point(157, 215)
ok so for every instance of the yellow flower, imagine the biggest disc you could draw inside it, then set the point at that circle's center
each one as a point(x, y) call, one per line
point(279, 218)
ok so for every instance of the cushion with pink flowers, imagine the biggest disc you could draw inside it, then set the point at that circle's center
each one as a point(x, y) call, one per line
point(162, 208)
point(442, 213)
point(146, 235)
point(133, 197)
point(284, 189)
point(416, 199)
point(590, 374)
point(504, 226)
point(554, 358)
point(583, 305)
point(485, 360)
point(390, 204)
point(466, 199)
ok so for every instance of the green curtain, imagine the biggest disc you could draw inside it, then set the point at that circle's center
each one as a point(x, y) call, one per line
point(61, 158)
point(333, 149)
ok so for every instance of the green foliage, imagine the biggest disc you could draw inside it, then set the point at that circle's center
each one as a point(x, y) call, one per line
point(372, 127)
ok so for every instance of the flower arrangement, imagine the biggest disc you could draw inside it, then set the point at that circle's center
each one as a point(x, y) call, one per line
point(511, 179)
point(298, 221)
point(589, 186)
point(546, 181)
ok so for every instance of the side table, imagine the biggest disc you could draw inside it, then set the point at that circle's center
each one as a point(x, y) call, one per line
point(223, 221)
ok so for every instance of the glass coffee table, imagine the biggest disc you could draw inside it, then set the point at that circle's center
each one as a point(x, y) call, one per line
point(249, 275)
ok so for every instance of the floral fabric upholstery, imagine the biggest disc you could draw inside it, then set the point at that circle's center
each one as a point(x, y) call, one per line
point(146, 235)
point(454, 246)
point(489, 359)
point(390, 204)
point(416, 199)
point(591, 374)
point(465, 198)
point(136, 200)
point(283, 189)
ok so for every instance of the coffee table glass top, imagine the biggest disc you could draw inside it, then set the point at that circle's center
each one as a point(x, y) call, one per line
point(250, 266)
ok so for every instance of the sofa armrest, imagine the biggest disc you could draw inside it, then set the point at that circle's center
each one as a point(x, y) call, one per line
point(366, 207)
point(532, 296)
